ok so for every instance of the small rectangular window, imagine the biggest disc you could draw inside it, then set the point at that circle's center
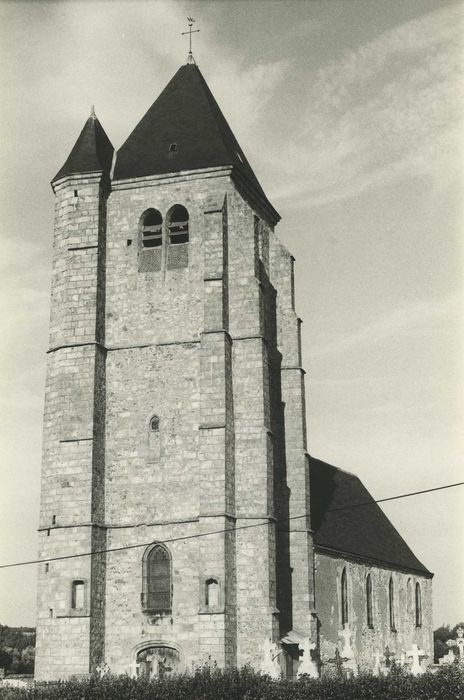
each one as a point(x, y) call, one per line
point(77, 595)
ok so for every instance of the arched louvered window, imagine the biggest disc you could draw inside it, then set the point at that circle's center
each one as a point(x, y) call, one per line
point(154, 424)
point(178, 225)
point(152, 229)
point(344, 598)
point(391, 604)
point(418, 605)
point(157, 580)
point(369, 607)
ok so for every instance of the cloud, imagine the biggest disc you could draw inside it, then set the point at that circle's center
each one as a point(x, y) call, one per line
point(388, 109)
point(412, 317)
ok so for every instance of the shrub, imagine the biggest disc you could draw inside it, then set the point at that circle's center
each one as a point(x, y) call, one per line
point(213, 684)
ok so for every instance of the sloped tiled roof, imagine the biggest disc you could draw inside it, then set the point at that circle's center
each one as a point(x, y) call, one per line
point(364, 530)
point(187, 118)
point(92, 152)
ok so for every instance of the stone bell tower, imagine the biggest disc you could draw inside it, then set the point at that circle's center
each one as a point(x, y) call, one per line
point(174, 435)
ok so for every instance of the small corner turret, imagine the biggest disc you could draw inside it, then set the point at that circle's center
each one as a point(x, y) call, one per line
point(92, 152)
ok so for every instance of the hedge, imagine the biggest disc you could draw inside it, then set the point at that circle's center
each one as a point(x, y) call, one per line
point(212, 684)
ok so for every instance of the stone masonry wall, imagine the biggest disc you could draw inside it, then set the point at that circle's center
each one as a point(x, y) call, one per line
point(169, 354)
point(369, 642)
point(295, 534)
point(189, 346)
point(199, 345)
point(73, 447)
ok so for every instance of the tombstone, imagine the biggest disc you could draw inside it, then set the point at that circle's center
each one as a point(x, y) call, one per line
point(416, 655)
point(460, 643)
point(376, 666)
point(388, 656)
point(449, 658)
point(349, 664)
point(14, 683)
point(308, 665)
point(270, 665)
point(133, 669)
point(102, 670)
point(156, 662)
point(339, 660)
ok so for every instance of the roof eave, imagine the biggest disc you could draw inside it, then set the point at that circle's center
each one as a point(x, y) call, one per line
point(57, 182)
point(249, 191)
point(382, 563)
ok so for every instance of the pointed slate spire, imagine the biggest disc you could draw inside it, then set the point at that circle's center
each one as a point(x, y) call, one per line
point(92, 152)
point(184, 129)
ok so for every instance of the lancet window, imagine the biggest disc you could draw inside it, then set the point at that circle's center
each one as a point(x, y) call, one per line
point(157, 580)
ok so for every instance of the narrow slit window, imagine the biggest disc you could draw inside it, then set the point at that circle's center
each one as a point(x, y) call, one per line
point(418, 606)
point(391, 602)
point(178, 225)
point(344, 598)
point(78, 595)
point(369, 610)
point(152, 229)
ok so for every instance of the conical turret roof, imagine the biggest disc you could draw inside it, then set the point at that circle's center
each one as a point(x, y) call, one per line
point(92, 152)
point(184, 129)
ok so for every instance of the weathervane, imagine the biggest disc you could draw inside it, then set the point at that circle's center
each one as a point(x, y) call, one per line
point(190, 31)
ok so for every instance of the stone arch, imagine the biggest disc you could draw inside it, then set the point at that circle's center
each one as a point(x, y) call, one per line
point(177, 234)
point(157, 585)
point(151, 229)
point(156, 658)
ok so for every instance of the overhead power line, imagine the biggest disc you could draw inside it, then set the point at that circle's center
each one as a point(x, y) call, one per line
point(230, 530)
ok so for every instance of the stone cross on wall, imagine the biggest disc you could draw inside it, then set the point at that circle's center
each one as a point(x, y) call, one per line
point(416, 655)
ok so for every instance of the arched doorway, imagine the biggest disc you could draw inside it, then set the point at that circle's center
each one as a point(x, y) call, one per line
point(156, 661)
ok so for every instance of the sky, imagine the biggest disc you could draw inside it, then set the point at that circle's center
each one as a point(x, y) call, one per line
point(350, 112)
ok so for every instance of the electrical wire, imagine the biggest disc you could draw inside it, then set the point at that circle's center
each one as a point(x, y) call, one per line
point(227, 531)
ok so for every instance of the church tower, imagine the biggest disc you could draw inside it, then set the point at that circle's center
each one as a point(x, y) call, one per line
point(174, 434)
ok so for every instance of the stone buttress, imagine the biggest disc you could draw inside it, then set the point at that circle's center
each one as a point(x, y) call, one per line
point(70, 640)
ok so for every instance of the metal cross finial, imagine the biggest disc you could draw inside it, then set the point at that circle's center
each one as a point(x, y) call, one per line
point(190, 31)
point(92, 112)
